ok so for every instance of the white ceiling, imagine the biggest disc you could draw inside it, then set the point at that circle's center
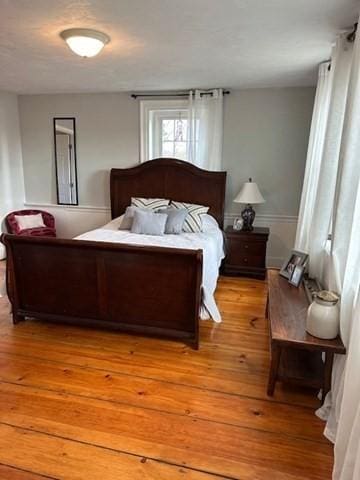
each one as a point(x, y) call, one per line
point(168, 44)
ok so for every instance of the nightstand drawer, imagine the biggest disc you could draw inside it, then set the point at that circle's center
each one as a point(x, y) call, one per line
point(246, 248)
point(241, 259)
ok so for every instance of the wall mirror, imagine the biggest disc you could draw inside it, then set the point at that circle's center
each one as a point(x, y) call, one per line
point(65, 161)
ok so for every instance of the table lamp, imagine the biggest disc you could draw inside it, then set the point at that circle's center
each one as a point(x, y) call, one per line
point(249, 194)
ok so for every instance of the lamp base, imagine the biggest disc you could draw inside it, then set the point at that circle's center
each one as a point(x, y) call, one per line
point(248, 215)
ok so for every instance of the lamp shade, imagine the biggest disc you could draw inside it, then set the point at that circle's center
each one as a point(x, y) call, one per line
point(249, 193)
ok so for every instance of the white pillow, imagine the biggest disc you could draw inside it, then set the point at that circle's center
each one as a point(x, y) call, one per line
point(29, 221)
point(193, 220)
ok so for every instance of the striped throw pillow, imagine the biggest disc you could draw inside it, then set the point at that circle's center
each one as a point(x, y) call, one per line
point(193, 220)
point(150, 203)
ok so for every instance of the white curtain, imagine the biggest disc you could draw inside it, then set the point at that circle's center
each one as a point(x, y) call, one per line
point(322, 159)
point(334, 192)
point(314, 158)
point(205, 131)
point(343, 423)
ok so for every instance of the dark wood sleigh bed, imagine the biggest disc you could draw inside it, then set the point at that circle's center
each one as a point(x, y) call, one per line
point(136, 289)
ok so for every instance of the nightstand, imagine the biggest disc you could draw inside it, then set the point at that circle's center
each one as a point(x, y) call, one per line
point(246, 252)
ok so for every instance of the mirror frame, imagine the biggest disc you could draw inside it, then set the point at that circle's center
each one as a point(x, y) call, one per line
point(75, 162)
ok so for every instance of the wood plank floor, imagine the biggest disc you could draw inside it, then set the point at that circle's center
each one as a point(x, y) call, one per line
point(80, 404)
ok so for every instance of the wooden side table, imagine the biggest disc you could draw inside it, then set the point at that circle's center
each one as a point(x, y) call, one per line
point(246, 252)
point(296, 356)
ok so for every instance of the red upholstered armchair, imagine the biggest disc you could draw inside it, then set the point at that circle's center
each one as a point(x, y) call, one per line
point(47, 231)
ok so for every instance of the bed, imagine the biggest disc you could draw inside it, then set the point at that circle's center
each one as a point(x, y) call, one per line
point(106, 278)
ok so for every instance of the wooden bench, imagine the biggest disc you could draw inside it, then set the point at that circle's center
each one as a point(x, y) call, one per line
point(296, 356)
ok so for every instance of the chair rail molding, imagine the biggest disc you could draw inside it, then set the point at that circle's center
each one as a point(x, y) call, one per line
point(263, 219)
point(75, 208)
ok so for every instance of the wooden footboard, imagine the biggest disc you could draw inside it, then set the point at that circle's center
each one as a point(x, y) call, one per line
point(136, 289)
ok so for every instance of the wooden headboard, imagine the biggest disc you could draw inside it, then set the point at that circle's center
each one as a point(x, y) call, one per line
point(168, 178)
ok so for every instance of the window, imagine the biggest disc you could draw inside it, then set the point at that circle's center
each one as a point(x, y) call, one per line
point(173, 135)
point(164, 129)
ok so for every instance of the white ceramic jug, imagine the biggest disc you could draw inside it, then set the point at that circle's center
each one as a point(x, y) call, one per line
point(323, 315)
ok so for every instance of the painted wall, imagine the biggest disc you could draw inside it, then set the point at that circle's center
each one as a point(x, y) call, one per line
point(11, 169)
point(266, 133)
point(107, 135)
point(265, 136)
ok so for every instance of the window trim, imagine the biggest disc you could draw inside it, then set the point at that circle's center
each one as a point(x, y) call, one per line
point(146, 107)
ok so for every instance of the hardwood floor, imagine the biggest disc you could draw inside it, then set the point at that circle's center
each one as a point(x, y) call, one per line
point(80, 404)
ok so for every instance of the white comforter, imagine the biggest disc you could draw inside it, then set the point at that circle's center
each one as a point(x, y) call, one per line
point(210, 241)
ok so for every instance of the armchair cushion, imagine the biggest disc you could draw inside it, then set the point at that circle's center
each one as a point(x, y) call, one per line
point(47, 229)
point(30, 221)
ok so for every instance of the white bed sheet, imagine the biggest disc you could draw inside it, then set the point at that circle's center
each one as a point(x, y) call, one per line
point(210, 241)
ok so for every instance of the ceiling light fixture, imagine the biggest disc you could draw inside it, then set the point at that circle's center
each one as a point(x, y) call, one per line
point(85, 42)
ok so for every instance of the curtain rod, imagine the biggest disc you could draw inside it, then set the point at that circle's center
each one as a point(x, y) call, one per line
point(351, 37)
point(136, 95)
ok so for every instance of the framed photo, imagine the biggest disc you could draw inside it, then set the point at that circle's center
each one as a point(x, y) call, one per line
point(238, 223)
point(297, 275)
point(295, 259)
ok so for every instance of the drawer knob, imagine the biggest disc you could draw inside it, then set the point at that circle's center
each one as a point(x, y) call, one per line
point(246, 246)
point(245, 260)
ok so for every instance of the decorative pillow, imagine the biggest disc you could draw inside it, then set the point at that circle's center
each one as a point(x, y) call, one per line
point(128, 218)
point(148, 223)
point(30, 221)
point(150, 203)
point(175, 219)
point(193, 221)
